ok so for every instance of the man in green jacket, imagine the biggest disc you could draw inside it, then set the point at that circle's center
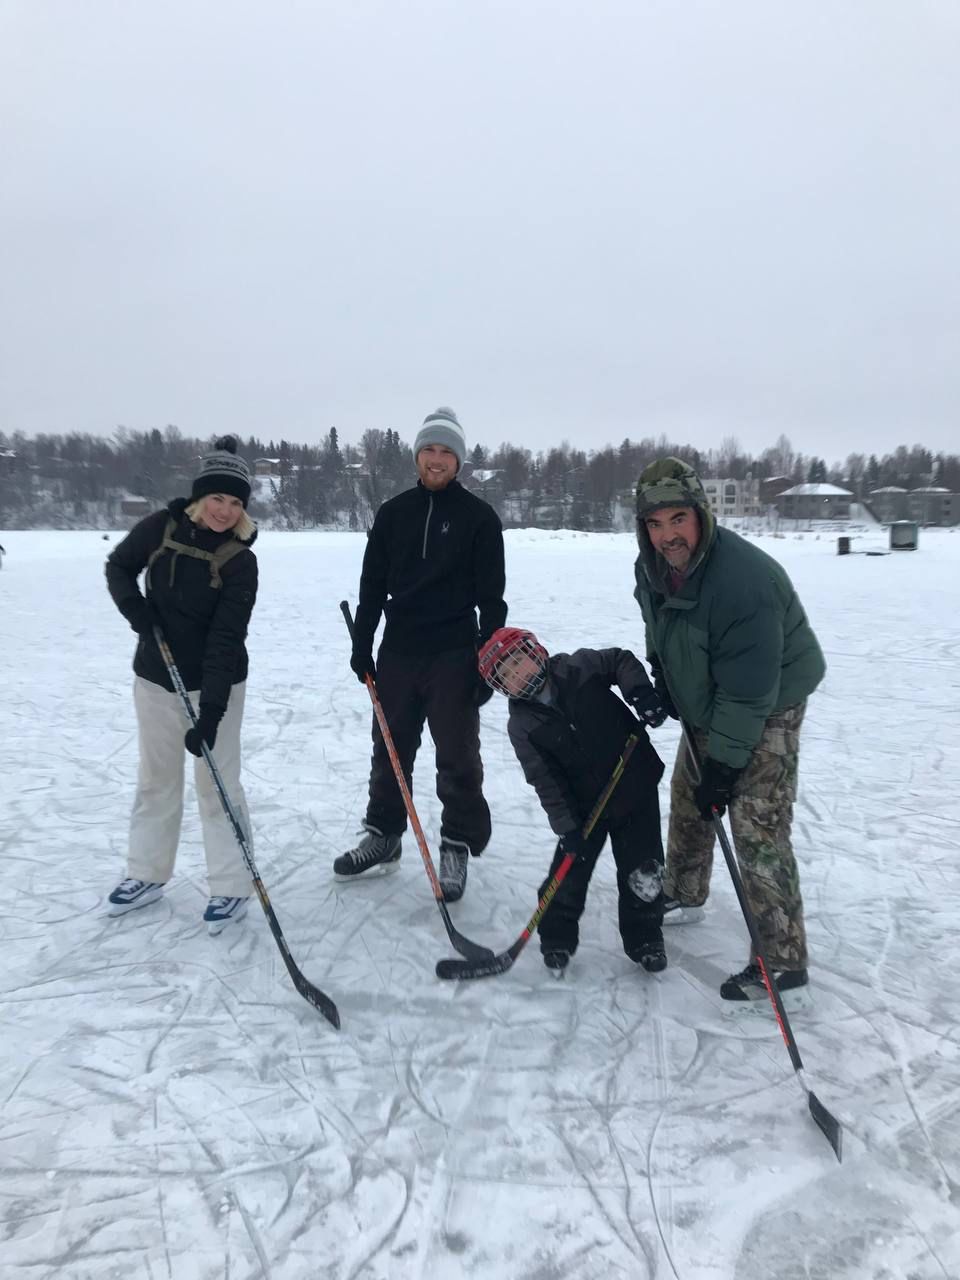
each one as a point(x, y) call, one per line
point(732, 652)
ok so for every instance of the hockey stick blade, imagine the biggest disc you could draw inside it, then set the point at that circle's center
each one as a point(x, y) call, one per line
point(828, 1124)
point(456, 969)
point(473, 951)
point(313, 995)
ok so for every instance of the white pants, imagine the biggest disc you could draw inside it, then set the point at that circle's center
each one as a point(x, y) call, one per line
point(158, 804)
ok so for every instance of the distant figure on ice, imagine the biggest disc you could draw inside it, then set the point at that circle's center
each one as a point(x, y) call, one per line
point(732, 653)
point(568, 729)
point(2, 554)
point(434, 557)
point(201, 584)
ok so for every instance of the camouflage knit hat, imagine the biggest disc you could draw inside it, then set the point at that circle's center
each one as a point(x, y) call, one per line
point(668, 482)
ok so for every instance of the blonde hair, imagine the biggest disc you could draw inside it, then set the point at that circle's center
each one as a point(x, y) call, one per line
point(243, 529)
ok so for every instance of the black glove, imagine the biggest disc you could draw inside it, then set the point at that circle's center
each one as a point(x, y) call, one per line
point(205, 730)
point(362, 664)
point(649, 707)
point(573, 842)
point(715, 788)
point(142, 616)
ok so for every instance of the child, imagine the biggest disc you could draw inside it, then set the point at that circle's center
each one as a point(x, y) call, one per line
point(568, 729)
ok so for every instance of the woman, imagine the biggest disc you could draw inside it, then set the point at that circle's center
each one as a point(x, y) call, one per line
point(200, 584)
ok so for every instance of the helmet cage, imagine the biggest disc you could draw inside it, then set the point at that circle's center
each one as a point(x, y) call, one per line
point(514, 663)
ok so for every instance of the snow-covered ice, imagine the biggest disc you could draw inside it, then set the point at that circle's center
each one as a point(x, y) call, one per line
point(169, 1107)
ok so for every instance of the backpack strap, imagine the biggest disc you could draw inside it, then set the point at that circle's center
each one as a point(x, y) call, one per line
point(163, 546)
point(226, 551)
point(216, 559)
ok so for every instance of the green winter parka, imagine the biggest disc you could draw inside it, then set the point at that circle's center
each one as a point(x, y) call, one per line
point(733, 644)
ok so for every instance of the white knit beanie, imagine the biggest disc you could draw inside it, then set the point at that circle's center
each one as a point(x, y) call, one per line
point(442, 427)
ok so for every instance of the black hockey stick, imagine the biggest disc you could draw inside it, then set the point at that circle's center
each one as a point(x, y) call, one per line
point(826, 1121)
point(313, 995)
point(448, 968)
point(466, 948)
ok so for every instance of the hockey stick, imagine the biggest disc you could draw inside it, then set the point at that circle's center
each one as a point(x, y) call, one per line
point(313, 995)
point(828, 1123)
point(448, 968)
point(472, 950)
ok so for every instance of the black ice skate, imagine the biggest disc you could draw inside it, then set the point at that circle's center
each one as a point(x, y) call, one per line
point(454, 857)
point(747, 988)
point(375, 851)
point(674, 912)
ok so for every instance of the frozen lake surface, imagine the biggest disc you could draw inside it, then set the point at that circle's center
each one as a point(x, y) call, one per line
point(169, 1107)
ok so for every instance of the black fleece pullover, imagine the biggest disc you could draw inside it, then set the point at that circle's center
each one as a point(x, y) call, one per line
point(432, 560)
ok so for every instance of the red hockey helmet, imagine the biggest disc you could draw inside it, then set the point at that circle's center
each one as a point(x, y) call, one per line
point(514, 662)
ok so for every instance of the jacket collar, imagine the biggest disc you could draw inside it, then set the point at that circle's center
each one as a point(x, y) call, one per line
point(438, 495)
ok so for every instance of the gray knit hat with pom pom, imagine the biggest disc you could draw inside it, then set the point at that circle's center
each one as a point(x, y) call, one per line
point(223, 472)
point(442, 427)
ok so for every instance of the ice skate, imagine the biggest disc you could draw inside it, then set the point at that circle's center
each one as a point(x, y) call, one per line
point(375, 852)
point(223, 911)
point(131, 894)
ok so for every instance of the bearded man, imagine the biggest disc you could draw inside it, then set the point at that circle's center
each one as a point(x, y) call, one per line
point(733, 655)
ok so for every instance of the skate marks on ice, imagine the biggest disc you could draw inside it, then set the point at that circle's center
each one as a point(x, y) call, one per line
point(191, 1115)
point(523, 1169)
point(191, 1109)
point(169, 1107)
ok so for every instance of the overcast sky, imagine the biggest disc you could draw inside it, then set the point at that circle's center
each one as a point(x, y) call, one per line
point(566, 218)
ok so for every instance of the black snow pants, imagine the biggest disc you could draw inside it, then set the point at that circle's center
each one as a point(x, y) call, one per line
point(637, 847)
point(440, 688)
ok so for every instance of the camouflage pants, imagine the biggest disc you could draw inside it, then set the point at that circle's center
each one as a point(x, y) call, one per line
point(760, 817)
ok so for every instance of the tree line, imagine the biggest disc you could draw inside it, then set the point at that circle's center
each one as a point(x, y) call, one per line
point(62, 480)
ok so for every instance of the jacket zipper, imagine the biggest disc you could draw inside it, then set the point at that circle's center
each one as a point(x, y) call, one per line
point(426, 527)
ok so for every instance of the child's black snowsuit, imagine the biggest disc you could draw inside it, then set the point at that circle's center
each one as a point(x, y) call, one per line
point(568, 741)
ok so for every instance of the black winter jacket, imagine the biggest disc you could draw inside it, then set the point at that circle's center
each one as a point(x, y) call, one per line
point(570, 746)
point(432, 559)
point(205, 626)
